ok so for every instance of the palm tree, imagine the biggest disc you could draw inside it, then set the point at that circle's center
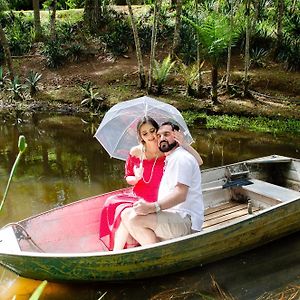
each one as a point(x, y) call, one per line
point(4, 42)
point(37, 19)
point(214, 36)
point(142, 77)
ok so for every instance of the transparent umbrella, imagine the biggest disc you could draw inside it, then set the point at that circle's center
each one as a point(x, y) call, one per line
point(117, 131)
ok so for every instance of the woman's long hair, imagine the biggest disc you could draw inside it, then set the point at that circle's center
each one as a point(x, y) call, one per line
point(143, 121)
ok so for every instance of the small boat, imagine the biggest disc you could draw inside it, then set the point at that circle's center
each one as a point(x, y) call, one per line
point(247, 204)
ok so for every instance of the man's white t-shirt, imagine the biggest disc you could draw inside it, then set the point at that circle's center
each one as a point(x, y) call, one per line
point(182, 167)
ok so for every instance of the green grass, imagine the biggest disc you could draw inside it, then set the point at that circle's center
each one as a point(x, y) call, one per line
point(256, 124)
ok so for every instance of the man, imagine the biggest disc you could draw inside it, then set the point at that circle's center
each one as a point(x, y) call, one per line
point(179, 209)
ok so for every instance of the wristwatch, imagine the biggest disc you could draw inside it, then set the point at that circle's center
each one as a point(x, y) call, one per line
point(157, 207)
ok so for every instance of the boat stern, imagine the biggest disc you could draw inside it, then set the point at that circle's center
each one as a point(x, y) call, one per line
point(8, 241)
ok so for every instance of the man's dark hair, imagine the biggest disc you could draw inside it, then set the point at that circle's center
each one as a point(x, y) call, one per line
point(173, 126)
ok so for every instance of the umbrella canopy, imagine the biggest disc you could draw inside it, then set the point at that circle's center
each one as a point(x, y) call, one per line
point(117, 132)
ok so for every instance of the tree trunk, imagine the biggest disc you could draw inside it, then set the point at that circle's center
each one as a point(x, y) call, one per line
point(214, 84)
point(247, 49)
point(153, 42)
point(177, 29)
point(228, 66)
point(257, 6)
point(92, 15)
point(280, 13)
point(142, 77)
point(7, 54)
point(52, 7)
point(229, 47)
point(200, 83)
point(37, 20)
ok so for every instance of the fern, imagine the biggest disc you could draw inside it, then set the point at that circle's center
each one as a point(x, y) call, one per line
point(189, 74)
point(161, 71)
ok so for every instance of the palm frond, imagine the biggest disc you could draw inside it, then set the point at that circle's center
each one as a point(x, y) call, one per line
point(214, 34)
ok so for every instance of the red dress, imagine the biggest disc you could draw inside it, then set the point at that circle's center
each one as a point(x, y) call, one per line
point(146, 188)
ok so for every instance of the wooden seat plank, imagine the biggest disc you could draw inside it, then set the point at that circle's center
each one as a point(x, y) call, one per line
point(231, 216)
point(237, 219)
point(224, 212)
point(211, 210)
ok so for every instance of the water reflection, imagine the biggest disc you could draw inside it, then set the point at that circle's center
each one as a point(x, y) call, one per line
point(64, 163)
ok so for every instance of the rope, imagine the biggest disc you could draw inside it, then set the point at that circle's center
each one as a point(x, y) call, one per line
point(27, 236)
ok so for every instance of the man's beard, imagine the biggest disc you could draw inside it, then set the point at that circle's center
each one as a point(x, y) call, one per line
point(164, 146)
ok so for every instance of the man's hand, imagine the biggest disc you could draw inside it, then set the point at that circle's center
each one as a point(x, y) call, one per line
point(143, 208)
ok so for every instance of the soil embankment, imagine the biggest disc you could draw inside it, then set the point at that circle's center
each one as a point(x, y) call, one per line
point(276, 93)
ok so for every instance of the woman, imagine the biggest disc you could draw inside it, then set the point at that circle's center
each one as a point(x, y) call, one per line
point(143, 170)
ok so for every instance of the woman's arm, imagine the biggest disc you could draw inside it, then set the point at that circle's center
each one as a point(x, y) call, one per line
point(138, 174)
point(134, 178)
point(179, 137)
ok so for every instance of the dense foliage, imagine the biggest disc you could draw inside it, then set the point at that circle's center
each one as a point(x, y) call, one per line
point(62, 4)
point(206, 32)
point(117, 37)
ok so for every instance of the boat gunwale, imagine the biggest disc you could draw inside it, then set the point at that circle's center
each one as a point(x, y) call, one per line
point(129, 251)
point(209, 230)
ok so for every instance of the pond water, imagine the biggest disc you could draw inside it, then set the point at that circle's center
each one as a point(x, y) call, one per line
point(64, 163)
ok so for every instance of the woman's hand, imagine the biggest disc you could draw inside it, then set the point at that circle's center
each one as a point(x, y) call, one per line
point(179, 137)
point(138, 171)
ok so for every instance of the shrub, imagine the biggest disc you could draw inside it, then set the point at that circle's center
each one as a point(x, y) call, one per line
point(68, 45)
point(290, 48)
point(145, 32)
point(188, 44)
point(118, 36)
point(289, 54)
point(54, 52)
point(20, 33)
point(32, 81)
point(258, 57)
point(16, 88)
point(91, 98)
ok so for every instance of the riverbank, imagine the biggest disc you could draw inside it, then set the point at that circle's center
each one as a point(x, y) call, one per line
point(275, 93)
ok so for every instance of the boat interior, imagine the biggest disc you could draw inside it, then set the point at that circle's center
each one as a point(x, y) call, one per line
point(231, 193)
point(247, 188)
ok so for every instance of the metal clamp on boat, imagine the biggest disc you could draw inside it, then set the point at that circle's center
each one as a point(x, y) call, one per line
point(237, 176)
